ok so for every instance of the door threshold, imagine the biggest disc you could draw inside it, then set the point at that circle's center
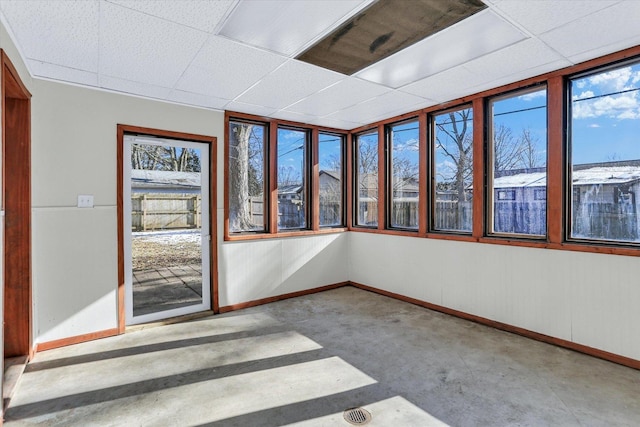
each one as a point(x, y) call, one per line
point(13, 370)
point(169, 321)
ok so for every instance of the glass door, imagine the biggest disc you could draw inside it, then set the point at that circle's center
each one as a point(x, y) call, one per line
point(167, 228)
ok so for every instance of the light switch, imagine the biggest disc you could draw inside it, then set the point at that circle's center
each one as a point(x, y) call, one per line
point(85, 200)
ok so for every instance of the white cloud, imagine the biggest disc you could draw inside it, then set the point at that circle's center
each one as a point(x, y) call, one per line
point(594, 125)
point(533, 95)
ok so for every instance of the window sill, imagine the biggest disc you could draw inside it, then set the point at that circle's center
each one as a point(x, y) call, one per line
point(282, 234)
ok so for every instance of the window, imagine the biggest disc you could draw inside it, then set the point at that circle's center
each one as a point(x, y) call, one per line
point(246, 180)
point(292, 178)
point(330, 159)
point(518, 165)
point(404, 184)
point(605, 155)
point(452, 140)
point(366, 179)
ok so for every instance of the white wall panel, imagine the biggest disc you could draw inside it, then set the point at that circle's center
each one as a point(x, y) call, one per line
point(311, 262)
point(257, 269)
point(249, 270)
point(590, 299)
point(75, 275)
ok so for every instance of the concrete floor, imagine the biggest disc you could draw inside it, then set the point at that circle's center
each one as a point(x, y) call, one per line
point(303, 361)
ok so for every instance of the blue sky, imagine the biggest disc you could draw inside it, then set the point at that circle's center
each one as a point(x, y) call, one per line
point(606, 116)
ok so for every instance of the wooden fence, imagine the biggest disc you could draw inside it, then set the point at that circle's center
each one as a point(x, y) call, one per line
point(611, 221)
point(165, 211)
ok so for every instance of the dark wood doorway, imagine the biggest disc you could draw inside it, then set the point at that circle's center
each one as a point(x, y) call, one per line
point(16, 203)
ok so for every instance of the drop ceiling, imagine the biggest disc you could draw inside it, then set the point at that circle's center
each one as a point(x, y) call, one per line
point(240, 55)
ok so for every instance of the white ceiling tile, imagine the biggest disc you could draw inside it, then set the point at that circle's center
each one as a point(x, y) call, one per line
point(220, 58)
point(520, 75)
point(65, 74)
point(135, 88)
point(261, 23)
point(139, 47)
point(290, 83)
point(197, 99)
point(445, 86)
point(543, 15)
point(341, 95)
point(202, 15)
point(389, 104)
point(475, 36)
point(243, 107)
point(63, 33)
point(293, 117)
point(337, 124)
point(603, 32)
point(514, 59)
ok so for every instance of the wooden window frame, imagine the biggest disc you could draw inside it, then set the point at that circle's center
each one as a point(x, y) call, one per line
point(310, 164)
point(557, 158)
point(313, 171)
point(476, 141)
point(381, 179)
point(343, 177)
point(568, 187)
point(489, 163)
point(388, 172)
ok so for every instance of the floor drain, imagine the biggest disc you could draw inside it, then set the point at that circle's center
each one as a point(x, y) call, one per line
point(357, 416)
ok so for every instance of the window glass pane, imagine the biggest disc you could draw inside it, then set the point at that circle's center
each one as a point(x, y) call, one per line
point(366, 153)
point(331, 184)
point(518, 154)
point(292, 182)
point(404, 141)
point(453, 170)
point(605, 155)
point(246, 177)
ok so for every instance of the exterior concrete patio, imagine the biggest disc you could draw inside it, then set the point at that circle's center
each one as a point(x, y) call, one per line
point(303, 361)
point(166, 288)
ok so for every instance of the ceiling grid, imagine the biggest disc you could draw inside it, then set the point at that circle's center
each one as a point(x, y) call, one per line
point(240, 55)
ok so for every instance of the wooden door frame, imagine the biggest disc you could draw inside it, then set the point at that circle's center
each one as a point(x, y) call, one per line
point(16, 204)
point(213, 252)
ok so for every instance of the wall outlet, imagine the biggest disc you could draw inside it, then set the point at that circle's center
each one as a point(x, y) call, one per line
point(85, 200)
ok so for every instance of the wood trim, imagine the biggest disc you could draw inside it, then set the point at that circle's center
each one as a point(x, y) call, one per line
point(283, 234)
point(382, 177)
point(479, 212)
point(120, 221)
point(314, 197)
point(423, 176)
point(16, 202)
point(225, 178)
point(122, 129)
point(14, 87)
point(601, 354)
point(262, 301)
point(213, 224)
point(348, 200)
point(555, 159)
point(49, 345)
point(272, 156)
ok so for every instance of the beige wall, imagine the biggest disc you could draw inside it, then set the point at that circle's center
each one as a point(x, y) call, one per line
point(75, 250)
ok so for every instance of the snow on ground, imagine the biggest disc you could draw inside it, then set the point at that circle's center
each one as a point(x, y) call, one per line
point(169, 237)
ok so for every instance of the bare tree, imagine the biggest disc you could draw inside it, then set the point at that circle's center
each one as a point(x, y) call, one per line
point(531, 155)
point(239, 195)
point(457, 145)
point(157, 157)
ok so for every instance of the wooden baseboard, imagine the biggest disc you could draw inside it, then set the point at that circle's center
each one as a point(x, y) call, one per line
point(268, 300)
point(76, 339)
point(601, 354)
